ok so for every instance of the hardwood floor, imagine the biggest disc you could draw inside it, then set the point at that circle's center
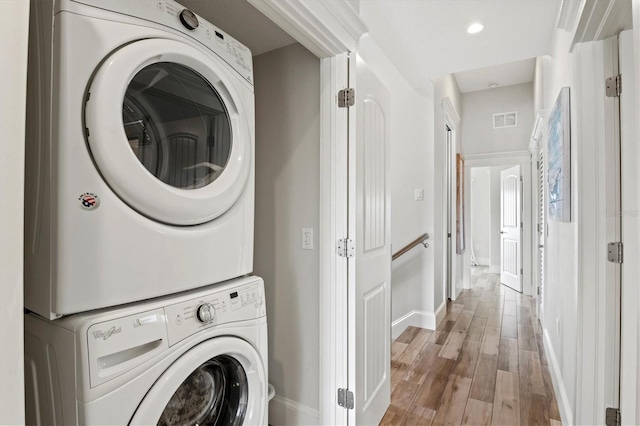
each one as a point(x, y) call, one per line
point(484, 365)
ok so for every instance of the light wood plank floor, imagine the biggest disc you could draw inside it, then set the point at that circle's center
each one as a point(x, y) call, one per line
point(485, 364)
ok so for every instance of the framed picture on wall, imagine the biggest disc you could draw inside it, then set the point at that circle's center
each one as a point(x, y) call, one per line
point(559, 153)
point(459, 204)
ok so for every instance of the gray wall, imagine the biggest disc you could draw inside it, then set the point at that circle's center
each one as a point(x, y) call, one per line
point(478, 134)
point(481, 211)
point(287, 84)
point(14, 31)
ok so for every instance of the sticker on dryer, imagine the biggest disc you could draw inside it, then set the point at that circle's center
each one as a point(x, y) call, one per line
point(89, 200)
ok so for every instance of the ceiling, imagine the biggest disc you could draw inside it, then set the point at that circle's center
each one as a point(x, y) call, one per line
point(423, 38)
point(429, 38)
point(502, 75)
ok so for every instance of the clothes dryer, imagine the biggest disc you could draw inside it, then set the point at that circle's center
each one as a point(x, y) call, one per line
point(140, 154)
point(197, 358)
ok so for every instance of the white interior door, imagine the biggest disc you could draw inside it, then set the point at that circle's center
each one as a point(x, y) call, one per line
point(510, 228)
point(370, 301)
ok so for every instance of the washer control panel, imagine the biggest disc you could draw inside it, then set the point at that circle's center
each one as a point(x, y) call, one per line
point(227, 306)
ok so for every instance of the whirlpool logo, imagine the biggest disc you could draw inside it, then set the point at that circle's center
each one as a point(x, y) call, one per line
point(104, 335)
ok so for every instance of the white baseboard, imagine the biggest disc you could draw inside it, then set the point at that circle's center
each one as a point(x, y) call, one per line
point(494, 269)
point(566, 413)
point(283, 412)
point(414, 318)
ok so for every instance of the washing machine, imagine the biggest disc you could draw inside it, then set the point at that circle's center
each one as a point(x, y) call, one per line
point(197, 358)
point(140, 154)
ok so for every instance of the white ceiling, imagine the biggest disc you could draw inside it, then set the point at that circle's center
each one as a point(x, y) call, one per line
point(428, 38)
point(423, 38)
point(243, 22)
point(503, 75)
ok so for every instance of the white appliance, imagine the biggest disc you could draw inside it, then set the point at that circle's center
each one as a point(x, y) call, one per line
point(139, 163)
point(197, 358)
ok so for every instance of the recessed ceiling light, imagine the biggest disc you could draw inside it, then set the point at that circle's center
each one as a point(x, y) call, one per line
point(475, 28)
point(493, 85)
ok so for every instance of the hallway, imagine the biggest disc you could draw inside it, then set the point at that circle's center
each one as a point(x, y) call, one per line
point(485, 364)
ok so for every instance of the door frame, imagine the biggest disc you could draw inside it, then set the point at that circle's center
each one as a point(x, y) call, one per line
point(537, 146)
point(507, 158)
point(329, 31)
point(451, 122)
point(629, 110)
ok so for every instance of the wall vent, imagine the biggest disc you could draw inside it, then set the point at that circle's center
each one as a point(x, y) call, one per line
point(505, 119)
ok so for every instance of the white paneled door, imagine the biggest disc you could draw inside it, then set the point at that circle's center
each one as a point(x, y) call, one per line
point(370, 306)
point(511, 228)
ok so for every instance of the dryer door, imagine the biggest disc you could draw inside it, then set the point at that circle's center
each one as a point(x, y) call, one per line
point(167, 128)
point(218, 382)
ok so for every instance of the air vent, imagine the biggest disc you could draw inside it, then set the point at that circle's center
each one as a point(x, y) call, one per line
point(505, 119)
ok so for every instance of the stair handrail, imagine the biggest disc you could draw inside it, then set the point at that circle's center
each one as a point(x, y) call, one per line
point(422, 239)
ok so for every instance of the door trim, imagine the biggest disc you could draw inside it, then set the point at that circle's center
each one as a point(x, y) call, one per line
point(451, 121)
point(507, 158)
point(333, 226)
point(537, 146)
point(330, 31)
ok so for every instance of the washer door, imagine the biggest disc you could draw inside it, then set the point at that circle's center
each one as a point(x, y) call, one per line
point(219, 382)
point(167, 131)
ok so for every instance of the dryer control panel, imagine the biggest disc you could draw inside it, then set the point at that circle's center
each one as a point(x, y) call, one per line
point(173, 15)
point(224, 307)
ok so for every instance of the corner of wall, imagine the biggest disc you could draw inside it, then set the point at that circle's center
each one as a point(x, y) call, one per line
point(14, 30)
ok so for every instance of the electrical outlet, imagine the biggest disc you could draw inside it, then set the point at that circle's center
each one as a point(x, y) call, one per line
point(307, 238)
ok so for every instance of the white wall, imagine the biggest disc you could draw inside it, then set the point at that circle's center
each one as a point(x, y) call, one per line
point(287, 83)
point(481, 212)
point(411, 168)
point(14, 26)
point(578, 298)
point(538, 86)
point(630, 153)
point(636, 42)
point(478, 134)
point(444, 88)
point(561, 302)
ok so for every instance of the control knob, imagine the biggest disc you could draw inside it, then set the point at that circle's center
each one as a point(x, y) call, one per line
point(205, 313)
point(189, 19)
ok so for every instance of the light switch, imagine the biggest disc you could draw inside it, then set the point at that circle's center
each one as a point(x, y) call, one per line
point(419, 194)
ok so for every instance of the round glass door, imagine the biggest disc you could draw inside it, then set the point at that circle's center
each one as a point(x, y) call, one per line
point(168, 131)
point(215, 394)
point(221, 381)
point(176, 125)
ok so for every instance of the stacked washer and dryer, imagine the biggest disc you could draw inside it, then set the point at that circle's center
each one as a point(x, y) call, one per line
point(139, 219)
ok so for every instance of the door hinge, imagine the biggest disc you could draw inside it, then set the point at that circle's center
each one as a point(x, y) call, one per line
point(521, 271)
point(538, 164)
point(345, 398)
point(539, 293)
point(345, 248)
point(614, 86)
point(614, 252)
point(346, 98)
point(612, 417)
